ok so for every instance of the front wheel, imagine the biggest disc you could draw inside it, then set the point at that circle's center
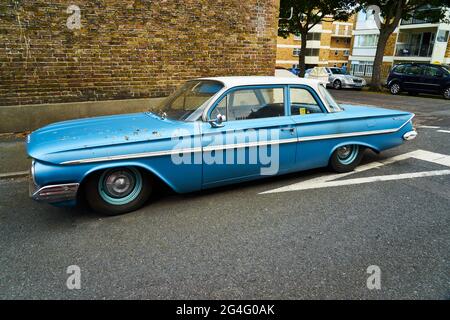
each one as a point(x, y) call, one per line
point(346, 158)
point(118, 190)
point(337, 84)
point(394, 88)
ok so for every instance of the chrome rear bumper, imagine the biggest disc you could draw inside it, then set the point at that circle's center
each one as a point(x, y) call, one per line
point(410, 135)
point(53, 193)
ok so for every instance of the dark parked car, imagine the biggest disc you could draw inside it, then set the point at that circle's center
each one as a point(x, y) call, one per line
point(416, 78)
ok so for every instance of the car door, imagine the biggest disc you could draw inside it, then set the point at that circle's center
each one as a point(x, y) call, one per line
point(412, 77)
point(311, 120)
point(432, 79)
point(256, 139)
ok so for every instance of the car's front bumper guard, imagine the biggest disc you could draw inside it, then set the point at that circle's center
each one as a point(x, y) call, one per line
point(54, 193)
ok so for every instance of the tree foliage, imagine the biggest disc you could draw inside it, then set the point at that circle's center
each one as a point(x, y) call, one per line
point(299, 16)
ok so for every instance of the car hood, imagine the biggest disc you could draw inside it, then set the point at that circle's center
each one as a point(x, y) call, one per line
point(91, 133)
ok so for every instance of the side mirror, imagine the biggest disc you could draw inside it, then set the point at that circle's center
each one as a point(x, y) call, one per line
point(218, 122)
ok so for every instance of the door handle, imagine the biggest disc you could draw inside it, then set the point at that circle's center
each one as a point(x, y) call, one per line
point(288, 129)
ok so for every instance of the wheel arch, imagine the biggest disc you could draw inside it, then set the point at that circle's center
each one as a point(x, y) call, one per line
point(146, 168)
point(395, 80)
point(354, 142)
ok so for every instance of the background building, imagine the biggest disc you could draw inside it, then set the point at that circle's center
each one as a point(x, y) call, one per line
point(329, 44)
point(128, 48)
point(414, 40)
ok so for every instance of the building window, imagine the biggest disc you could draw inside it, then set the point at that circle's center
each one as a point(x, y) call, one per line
point(312, 52)
point(313, 36)
point(442, 36)
point(366, 41)
point(346, 53)
point(336, 53)
point(309, 52)
point(297, 37)
point(362, 68)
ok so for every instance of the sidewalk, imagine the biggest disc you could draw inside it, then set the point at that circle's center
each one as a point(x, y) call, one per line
point(14, 161)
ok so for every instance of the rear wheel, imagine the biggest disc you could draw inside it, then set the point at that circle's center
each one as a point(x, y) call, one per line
point(346, 158)
point(394, 88)
point(118, 190)
point(446, 93)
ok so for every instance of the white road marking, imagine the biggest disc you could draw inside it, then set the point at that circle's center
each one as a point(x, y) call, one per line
point(429, 127)
point(327, 180)
point(445, 131)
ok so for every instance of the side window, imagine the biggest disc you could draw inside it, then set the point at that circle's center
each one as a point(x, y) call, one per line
point(412, 70)
point(400, 69)
point(243, 104)
point(303, 102)
point(433, 71)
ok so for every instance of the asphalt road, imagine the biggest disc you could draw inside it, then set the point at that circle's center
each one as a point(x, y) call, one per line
point(233, 242)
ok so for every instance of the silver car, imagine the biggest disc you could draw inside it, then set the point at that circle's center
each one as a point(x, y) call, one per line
point(338, 79)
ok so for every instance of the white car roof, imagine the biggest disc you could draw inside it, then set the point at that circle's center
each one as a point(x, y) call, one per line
point(231, 82)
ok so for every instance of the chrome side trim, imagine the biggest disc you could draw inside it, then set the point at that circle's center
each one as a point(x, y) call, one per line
point(346, 135)
point(135, 155)
point(249, 144)
point(233, 146)
point(56, 192)
point(354, 134)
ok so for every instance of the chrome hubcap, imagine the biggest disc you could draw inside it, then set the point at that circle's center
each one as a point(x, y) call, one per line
point(447, 93)
point(119, 184)
point(337, 84)
point(344, 152)
point(395, 88)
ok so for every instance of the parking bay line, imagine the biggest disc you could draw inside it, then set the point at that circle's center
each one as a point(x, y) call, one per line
point(445, 131)
point(429, 127)
point(327, 181)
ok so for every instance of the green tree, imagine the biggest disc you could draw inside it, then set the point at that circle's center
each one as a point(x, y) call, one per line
point(299, 16)
point(391, 12)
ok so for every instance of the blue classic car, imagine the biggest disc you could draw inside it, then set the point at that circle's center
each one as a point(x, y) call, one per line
point(210, 132)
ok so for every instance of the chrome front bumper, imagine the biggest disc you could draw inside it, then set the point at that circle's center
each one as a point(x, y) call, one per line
point(53, 193)
point(410, 135)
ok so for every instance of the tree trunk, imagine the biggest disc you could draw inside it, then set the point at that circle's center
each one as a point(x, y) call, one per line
point(376, 84)
point(302, 55)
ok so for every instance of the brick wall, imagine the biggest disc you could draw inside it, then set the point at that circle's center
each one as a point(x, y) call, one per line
point(129, 48)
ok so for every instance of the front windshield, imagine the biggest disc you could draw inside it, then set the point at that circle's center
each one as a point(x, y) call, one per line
point(188, 101)
point(337, 71)
point(333, 105)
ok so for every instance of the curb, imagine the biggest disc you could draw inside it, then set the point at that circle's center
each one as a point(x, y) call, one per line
point(9, 175)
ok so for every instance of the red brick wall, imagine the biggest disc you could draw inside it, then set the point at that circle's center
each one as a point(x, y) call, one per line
point(129, 48)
